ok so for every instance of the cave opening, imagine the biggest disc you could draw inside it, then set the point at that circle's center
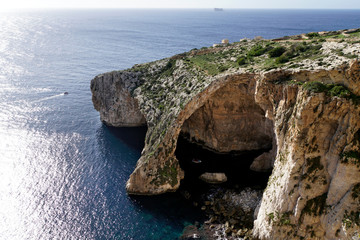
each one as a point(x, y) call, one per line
point(228, 136)
point(196, 160)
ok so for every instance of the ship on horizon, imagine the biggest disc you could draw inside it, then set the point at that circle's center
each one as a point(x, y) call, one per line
point(218, 9)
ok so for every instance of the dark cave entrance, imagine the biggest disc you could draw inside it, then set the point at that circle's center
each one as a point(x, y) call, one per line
point(235, 165)
point(231, 134)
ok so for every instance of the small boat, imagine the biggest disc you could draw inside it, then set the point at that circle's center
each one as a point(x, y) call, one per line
point(66, 93)
point(195, 160)
point(218, 9)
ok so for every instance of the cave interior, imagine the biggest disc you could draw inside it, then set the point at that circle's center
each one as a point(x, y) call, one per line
point(226, 134)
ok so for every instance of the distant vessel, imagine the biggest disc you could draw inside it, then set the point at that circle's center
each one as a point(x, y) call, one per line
point(218, 9)
point(66, 93)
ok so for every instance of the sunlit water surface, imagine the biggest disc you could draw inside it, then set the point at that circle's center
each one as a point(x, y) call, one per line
point(63, 173)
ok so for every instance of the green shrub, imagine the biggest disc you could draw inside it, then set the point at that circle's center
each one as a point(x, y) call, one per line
point(291, 53)
point(339, 91)
point(276, 52)
point(257, 50)
point(313, 35)
point(316, 87)
point(241, 61)
point(282, 59)
point(302, 47)
point(332, 90)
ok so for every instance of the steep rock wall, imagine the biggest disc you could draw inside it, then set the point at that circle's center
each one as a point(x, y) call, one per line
point(313, 189)
point(111, 96)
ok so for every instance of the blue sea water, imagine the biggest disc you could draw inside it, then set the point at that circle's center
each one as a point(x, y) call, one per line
point(62, 172)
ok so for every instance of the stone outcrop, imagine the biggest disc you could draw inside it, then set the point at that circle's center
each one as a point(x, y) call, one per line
point(304, 116)
point(111, 96)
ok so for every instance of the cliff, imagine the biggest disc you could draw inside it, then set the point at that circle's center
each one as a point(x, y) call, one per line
point(295, 100)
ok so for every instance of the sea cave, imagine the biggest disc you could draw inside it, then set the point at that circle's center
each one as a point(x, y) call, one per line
point(228, 135)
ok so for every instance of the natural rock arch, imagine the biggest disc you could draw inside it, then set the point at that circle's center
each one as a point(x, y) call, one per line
point(229, 129)
point(312, 170)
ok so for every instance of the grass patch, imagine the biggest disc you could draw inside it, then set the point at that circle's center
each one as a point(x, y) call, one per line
point(292, 53)
point(212, 63)
point(355, 34)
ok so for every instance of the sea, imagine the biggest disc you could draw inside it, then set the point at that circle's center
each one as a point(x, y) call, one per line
point(63, 172)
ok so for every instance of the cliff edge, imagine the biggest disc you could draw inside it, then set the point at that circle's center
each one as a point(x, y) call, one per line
point(294, 100)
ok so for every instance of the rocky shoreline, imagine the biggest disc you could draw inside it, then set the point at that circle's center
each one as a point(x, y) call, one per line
point(230, 214)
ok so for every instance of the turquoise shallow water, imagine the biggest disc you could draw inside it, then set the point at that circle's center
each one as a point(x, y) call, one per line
point(62, 172)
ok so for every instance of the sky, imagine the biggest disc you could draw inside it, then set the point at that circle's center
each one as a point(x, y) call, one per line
point(326, 4)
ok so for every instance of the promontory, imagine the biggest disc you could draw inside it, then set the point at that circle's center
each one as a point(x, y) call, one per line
point(292, 102)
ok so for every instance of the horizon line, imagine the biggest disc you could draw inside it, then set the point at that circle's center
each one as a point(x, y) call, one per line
point(168, 8)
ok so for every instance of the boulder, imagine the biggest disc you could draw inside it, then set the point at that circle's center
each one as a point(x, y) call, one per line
point(214, 178)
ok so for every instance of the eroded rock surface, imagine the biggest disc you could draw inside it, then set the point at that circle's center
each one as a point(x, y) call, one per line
point(306, 114)
point(230, 120)
point(312, 190)
point(111, 96)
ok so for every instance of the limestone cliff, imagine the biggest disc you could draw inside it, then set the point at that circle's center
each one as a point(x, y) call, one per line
point(112, 98)
point(295, 101)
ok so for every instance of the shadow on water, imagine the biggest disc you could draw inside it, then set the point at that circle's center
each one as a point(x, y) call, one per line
point(133, 137)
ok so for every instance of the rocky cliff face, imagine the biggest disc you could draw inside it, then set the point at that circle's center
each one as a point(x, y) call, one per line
point(302, 113)
point(112, 98)
point(312, 191)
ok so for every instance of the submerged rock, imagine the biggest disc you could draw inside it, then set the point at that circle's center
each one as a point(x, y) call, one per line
point(214, 178)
